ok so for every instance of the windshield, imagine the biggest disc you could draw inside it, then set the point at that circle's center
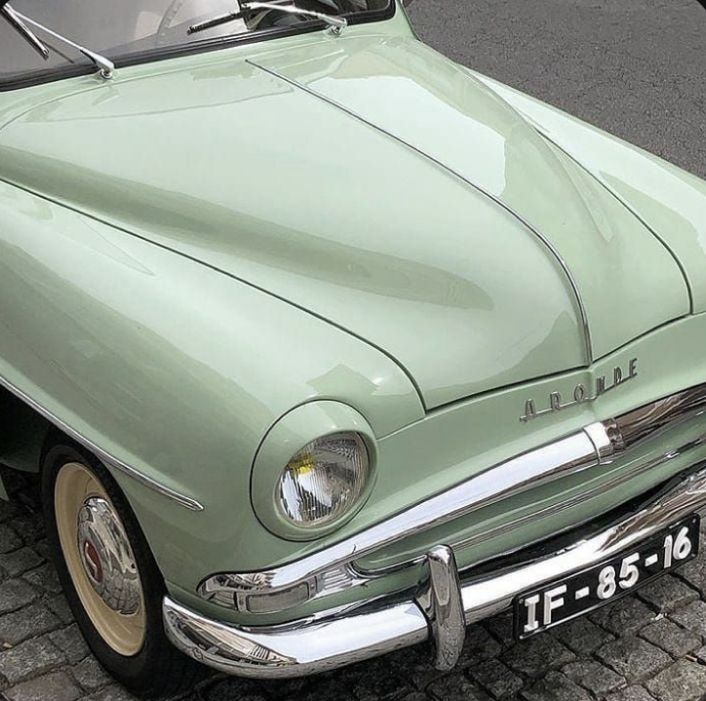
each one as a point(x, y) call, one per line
point(129, 31)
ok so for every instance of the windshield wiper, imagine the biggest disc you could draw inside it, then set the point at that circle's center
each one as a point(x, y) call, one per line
point(27, 34)
point(19, 22)
point(337, 24)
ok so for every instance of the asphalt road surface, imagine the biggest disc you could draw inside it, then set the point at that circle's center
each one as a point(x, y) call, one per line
point(635, 68)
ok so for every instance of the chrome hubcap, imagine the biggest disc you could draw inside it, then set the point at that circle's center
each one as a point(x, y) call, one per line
point(107, 557)
point(100, 559)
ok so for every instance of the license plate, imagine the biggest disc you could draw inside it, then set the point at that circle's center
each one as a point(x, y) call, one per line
point(584, 591)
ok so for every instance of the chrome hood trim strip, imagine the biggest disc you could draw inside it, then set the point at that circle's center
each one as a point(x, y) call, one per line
point(105, 457)
point(563, 265)
point(598, 443)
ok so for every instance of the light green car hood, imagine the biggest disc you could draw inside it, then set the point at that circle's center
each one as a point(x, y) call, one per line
point(375, 184)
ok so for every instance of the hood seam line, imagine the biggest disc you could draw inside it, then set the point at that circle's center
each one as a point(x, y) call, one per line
point(627, 206)
point(540, 237)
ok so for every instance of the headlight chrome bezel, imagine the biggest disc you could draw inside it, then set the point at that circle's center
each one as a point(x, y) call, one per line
point(307, 424)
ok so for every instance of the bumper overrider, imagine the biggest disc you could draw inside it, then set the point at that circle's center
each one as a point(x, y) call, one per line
point(445, 600)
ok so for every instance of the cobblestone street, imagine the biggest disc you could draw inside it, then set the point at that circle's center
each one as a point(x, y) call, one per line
point(644, 647)
point(650, 646)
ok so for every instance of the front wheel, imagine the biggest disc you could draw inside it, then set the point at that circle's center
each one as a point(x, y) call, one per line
point(109, 576)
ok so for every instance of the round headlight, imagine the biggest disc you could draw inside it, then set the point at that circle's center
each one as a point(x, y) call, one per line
point(324, 480)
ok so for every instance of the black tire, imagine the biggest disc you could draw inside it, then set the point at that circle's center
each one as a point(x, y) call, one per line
point(158, 669)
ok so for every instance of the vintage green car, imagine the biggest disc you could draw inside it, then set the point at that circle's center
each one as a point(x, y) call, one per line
point(323, 345)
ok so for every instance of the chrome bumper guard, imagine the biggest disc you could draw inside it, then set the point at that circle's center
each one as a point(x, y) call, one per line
point(440, 611)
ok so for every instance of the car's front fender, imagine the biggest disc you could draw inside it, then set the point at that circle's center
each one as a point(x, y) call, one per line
point(173, 372)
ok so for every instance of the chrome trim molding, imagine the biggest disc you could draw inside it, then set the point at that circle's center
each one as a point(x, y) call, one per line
point(597, 444)
point(105, 457)
point(563, 265)
point(567, 456)
point(318, 644)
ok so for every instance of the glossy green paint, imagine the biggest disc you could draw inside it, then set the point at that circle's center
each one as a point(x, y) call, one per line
point(199, 248)
point(158, 384)
point(669, 200)
point(453, 443)
point(353, 243)
point(401, 262)
point(409, 91)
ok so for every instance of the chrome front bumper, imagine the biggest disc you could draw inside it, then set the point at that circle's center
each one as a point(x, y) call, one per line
point(439, 611)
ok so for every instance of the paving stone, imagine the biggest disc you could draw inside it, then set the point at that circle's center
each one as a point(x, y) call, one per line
point(30, 526)
point(671, 638)
point(455, 687)
point(228, 688)
point(90, 675)
point(694, 572)
point(692, 617)
point(327, 686)
point(60, 608)
point(534, 656)
point(502, 628)
point(416, 665)
point(633, 658)
point(71, 643)
point(44, 578)
point(478, 646)
point(226, 693)
point(9, 540)
point(632, 693)
point(374, 679)
point(595, 677)
point(20, 561)
point(50, 687)
point(28, 622)
point(683, 681)
point(497, 679)
point(555, 687)
point(28, 659)
point(42, 549)
point(668, 593)
point(8, 510)
point(14, 594)
point(582, 635)
point(112, 693)
point(623, 617)
point(282, 688)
